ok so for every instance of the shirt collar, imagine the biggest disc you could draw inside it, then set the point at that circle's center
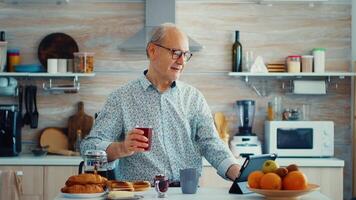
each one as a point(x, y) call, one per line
point(146, 83)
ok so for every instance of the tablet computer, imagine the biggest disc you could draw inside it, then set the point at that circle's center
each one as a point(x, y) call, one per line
point(252, 163)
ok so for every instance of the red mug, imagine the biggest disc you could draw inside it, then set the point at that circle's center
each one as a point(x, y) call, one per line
point(147, 132)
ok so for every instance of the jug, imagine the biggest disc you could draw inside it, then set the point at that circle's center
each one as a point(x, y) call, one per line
point(95, 161)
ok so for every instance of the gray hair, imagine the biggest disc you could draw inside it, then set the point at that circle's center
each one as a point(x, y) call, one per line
point(159, 33)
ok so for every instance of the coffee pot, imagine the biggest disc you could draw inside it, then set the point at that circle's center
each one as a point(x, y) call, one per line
point(95, 161)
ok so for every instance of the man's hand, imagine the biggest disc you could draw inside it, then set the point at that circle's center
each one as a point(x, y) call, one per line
point(134, 142)
point(233, 172)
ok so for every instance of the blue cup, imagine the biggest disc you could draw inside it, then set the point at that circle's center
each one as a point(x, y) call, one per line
point(189, 180)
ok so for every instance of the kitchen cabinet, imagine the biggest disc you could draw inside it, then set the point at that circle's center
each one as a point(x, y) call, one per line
point(54, 179)
point(32, 181)
point(330, 179)
point(42, 182)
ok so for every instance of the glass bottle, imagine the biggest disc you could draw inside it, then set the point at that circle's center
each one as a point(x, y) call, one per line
point(78, 141)
point(270, 111)
point(237, 54)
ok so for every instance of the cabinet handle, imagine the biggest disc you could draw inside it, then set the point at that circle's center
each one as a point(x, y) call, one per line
point(19, 173)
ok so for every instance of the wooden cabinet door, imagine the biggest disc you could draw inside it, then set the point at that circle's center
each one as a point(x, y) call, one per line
point(210, 178)
point(32, 181)
point(55, 178)
point(330, 180)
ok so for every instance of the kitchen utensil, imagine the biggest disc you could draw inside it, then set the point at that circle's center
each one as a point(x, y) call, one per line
point(219, 120)
point(79, 121)
point(221, 124)
point(19, 117)
point(10, 130)
point(57, 141)
point(39, 151)
point(245, 142)
point(56, 45)
point(27, 117)
point(34, 120)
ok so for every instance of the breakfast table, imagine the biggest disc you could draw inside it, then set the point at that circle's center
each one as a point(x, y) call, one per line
point(206, 193)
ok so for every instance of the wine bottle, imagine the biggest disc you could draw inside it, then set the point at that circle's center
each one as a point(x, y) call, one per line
point(237, 54)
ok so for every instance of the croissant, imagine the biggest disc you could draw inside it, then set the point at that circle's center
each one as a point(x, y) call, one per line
point(82, 189)
point(83, 179)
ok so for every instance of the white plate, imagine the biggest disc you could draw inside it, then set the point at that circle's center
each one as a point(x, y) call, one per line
point(135, 197)
point(82, 196)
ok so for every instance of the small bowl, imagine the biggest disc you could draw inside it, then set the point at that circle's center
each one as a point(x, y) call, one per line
point(39, 152)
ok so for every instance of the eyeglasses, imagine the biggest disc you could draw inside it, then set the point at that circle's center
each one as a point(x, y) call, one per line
point(177, 53)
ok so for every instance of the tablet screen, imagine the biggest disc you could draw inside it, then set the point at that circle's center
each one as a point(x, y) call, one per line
point(252, 163)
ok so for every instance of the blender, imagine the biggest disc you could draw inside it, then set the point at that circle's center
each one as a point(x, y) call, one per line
point(245, 142)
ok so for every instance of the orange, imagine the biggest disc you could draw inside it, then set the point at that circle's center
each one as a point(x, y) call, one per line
point(295, 180)
point(254, 178)
point(271, 181)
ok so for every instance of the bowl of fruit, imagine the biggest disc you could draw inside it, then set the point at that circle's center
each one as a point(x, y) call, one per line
point(276, 182)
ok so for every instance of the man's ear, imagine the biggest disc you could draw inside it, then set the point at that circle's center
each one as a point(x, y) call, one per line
point(151, 51)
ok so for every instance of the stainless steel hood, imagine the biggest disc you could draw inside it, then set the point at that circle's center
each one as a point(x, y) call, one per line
point(157, 12)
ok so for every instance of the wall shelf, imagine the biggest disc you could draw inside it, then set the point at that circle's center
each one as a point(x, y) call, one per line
point(291, 76)
point(50, 86)
point(301, 75)
point(55, 75)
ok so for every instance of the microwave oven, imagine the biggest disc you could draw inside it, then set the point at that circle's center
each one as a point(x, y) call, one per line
point(299, 138)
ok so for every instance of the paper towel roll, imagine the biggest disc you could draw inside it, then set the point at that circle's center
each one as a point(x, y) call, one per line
point(309, 87)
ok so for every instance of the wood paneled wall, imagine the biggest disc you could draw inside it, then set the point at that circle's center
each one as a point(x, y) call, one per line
point(272, 32)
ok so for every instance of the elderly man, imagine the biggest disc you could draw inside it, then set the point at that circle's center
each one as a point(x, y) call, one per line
point(183, 127)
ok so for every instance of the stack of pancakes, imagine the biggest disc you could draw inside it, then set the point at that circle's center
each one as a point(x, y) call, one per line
point(85, 183)
point(128, 186)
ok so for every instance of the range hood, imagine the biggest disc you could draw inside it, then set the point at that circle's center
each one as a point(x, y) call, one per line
point(157, 12)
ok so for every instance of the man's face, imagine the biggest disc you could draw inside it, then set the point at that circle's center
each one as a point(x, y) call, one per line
point(166, 65)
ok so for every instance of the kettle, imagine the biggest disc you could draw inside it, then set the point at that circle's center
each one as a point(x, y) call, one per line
point(95, 161)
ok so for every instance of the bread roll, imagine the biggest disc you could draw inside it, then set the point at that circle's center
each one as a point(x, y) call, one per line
point(83, 179)
point(78, 189)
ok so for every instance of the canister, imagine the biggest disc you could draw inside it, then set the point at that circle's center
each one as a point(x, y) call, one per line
point(307, 63)
point(319, 59)
point(83, 62)
point(13, 57)
point(293, 63)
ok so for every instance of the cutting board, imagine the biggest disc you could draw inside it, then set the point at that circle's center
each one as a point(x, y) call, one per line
point(56, 141)
point(79, 121)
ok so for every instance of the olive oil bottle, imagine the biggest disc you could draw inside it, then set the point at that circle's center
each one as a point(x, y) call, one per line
point(237, 54)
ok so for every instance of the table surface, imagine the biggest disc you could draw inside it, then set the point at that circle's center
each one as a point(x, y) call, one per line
point(56, 160)
point(209, 194)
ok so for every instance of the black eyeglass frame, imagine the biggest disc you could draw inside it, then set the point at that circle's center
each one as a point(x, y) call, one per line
point(176, 53)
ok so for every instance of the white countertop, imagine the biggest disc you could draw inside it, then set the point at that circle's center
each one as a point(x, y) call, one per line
point(210, 194)
point(29, 159)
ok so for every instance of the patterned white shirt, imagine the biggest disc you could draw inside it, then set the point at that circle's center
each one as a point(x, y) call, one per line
point(183, 130)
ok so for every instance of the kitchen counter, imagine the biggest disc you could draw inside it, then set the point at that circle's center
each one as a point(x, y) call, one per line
point(53, 160)
point(211, 193)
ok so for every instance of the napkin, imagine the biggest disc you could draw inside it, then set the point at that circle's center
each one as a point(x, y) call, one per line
point(10, 185)
point(259, 66)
